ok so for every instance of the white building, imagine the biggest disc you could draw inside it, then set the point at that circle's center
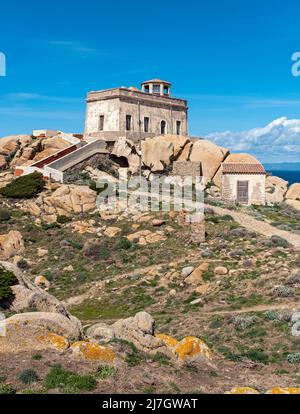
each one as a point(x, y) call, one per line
point(243, 183)
point(134, 113)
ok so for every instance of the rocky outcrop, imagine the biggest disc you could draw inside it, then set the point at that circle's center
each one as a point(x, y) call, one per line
point(31, 331)
point(156, 154)
point(293, 192)
point(65, 201)
point(276, 189)
point(91, 351)
point(11, 244)
point(140, 331)
point(209, 155)
point(27, 295)
point(293, 196)
point(6, 178)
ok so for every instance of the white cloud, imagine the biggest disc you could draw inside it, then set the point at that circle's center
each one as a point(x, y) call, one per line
point(74, 46)
point(279, 141)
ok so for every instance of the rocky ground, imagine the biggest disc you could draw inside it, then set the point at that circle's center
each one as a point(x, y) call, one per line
point(237, 292)
point(83, 284)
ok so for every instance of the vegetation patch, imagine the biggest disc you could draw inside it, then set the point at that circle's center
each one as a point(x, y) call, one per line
point(27, 186)
point(68, 381)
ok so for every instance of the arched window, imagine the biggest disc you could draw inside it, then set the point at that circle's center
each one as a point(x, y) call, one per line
point(163, 127)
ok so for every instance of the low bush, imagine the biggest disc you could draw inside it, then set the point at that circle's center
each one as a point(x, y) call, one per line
point(7, 389)
point(293, 358)
point(4, 215)
point(28, 376)
point(7, 280)
point(27, 186)
point(58, 377)
point(104, 372)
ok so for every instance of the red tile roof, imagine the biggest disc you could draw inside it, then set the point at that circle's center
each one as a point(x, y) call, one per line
point(239, 168)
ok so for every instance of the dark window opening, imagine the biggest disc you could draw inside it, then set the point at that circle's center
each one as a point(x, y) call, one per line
point(163, 127)
point(101, 123)
point(178, 127)
point(166, 90)
point(128, 122)
point(146, 89)
point(146, 124)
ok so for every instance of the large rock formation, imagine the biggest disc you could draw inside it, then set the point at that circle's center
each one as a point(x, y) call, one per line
point(65, 201)
point(293, 196)
point(37, 331)
point(276, 189)
point(11, 244)
point(209, 155)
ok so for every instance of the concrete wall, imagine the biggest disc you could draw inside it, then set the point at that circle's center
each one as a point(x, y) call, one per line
point(111, 111)
point(186, 169)
point(257, 183)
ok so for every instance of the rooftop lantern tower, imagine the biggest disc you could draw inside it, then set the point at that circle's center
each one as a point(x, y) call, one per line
point(156, 87)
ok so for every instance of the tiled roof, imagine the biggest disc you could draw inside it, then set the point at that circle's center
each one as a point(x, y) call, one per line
point(156, 81)
point(239, 168)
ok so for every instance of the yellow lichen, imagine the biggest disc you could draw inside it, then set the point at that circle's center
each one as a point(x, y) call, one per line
point(242, 390)
point(57, 341)
point(280, 390)
point(93, 352)
point(168, 340)
point(192, 346)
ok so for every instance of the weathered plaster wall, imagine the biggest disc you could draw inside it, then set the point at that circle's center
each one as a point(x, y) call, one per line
point(109, 108)
point(256, 187)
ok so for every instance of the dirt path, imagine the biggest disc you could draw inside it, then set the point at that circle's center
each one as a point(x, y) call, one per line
point(254, 309)
point(260, 227)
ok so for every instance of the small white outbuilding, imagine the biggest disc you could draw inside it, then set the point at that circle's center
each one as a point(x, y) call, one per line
point(243, 183)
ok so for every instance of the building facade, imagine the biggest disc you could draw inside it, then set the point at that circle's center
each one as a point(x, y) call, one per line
point(243, 183)
point(135, 113)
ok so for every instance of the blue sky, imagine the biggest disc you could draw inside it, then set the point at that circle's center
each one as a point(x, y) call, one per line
point(230, 59)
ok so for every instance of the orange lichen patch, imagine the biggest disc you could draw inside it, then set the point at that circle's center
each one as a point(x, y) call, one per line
point(242, 390)
point(168, 340)
point(93, 352)
point(191, 347)
point(280, 390)
point(57, 341)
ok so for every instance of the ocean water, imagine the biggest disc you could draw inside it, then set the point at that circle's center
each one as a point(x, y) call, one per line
point(290, 176)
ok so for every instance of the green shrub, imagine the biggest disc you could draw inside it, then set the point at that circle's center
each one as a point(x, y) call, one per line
point(37, 357)
point(4, 215)
point(105, 372)
point(28, 376)
point(124, 244)
point(293, 358)
point(7, 280)
point(58, 377)
point(63, 219)
point(26, 186)
point(7, 389)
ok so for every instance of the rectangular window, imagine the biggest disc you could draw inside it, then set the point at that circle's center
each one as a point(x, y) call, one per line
point(101, 123)
point(156, 88)
point(178, 127)
point(128, 122)
point(146, 124)
point(146, 89)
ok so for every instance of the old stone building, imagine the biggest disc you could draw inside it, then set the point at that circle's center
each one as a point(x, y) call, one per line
point(135, 113)
point(243, 183)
